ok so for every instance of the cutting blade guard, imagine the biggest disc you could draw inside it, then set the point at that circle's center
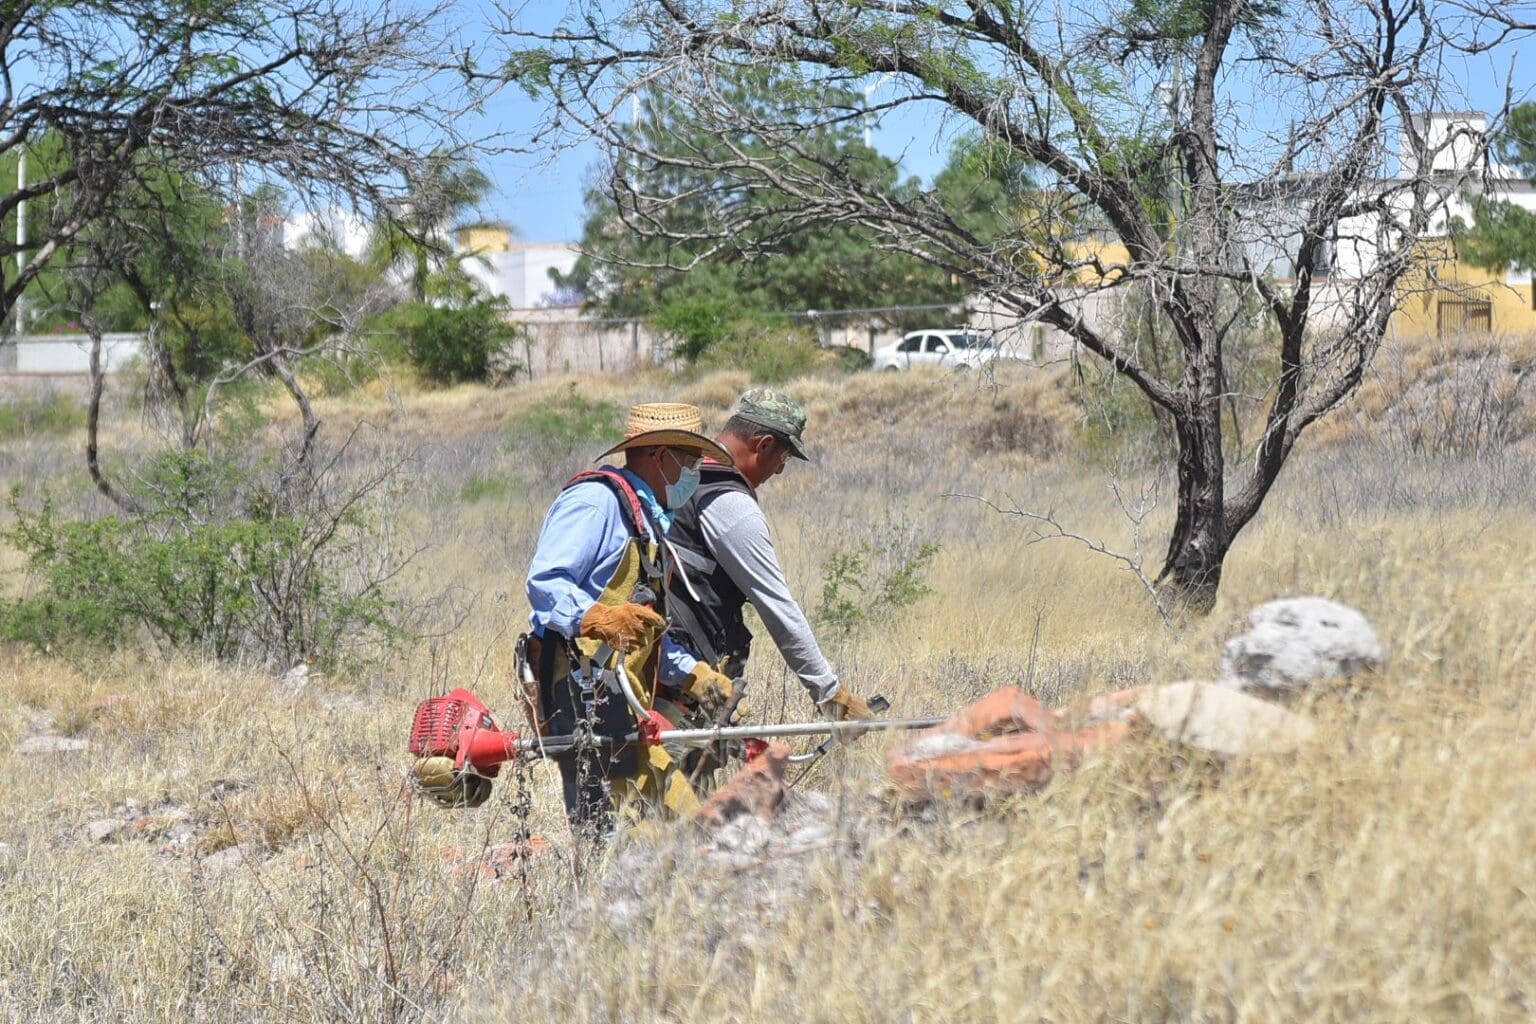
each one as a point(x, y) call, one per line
point(459, 726)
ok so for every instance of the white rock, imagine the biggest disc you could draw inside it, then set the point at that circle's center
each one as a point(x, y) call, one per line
point(229, 857)
point(747, 834)
point(104, 829)
point(51, 745)
point(1222, 720)
point(1297, 641)
point(286, 967)
point(292, 683)
point(941, 744)
point(624, 915)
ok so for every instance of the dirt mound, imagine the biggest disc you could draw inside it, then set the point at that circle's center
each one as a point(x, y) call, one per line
point(1452, 398)
point(1024, 411)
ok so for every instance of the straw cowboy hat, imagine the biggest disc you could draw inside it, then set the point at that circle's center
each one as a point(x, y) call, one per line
point(669, 425)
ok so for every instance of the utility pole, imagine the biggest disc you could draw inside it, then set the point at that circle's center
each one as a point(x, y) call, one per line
point(869, 91)
point(21, 239)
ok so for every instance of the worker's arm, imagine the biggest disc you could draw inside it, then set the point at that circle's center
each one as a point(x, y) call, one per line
point(736, 534)
point(579, 546)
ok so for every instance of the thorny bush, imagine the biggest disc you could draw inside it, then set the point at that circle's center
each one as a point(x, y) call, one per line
point(871, 581)
point(223, 560)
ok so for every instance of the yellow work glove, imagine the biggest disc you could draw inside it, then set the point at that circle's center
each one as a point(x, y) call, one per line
point(624, 627)
point(844, 705)
point(437, 779)
point(712, 690)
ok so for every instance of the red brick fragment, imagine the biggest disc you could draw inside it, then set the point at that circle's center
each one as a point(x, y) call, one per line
point(499, 861)
point(757, 789)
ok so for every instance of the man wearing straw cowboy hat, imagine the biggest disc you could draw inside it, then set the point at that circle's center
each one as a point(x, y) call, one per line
point(597, 589)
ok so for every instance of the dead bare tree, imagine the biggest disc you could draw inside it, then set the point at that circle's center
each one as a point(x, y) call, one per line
point(1233, 162)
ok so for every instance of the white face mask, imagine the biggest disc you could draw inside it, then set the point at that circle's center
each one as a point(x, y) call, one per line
point(687, 482)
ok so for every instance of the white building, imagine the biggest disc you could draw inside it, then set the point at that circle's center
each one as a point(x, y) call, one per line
point(334, 225)
point(520, 272)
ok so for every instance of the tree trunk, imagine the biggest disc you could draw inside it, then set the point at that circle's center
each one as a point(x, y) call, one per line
point(1192, 568)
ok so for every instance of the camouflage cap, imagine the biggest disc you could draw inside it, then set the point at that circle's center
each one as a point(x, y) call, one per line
point(778, 412)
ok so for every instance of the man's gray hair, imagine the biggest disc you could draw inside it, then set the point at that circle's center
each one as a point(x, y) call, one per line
point(740, 426)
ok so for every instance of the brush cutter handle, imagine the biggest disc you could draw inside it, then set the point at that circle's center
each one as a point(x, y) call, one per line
point(877, 704)
point(728, 712)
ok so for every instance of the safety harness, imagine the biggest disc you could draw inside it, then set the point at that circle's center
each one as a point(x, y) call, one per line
point(578, 680)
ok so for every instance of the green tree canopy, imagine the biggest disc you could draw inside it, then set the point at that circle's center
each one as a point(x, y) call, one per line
point(664, 230)
point(1502, 234)
point(441, 193)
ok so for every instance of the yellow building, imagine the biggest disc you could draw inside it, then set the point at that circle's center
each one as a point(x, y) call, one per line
point(484, 238)
point(1453, 297)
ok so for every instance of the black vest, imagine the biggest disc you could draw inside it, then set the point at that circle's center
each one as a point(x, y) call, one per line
point(712, 626)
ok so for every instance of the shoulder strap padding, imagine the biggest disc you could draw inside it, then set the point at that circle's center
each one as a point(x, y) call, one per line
point(629, 501)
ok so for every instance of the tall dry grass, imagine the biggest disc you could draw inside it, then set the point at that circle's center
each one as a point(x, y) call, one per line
point(1382, 875)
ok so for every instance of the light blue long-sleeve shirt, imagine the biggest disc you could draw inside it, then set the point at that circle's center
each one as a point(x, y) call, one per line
point(579, 548)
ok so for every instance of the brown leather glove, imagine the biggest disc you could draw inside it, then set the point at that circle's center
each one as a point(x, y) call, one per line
point(844, 705)
point(713, 690)
point(624, 627)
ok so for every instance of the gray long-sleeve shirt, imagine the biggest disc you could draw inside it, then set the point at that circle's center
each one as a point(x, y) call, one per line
point(736, 533)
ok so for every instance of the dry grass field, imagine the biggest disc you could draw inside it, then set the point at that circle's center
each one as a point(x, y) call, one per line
point(217, 853)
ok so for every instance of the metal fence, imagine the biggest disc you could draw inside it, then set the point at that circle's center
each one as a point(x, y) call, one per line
point(558, 341)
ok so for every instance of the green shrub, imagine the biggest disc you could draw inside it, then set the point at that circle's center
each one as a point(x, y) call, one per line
point(340, 374)
point(873, 580)
point(771, 352)
point(215, 565)
point(563, 422)
point(449, 345)
point(482, 488)
point(696, 324)
point(1118, 422)
point(51, 413)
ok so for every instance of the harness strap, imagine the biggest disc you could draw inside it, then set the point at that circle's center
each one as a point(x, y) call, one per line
point(629, 501)
point(698, 637)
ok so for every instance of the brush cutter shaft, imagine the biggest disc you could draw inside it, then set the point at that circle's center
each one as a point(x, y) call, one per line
point(561, 744)
point(553, 746)
point(796, 729)
point(459, 727)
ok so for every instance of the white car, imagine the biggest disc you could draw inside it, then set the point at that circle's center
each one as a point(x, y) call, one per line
point(957, 349)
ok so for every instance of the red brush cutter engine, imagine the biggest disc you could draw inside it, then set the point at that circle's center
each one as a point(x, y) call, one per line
point(458, 748)
point(459, 726)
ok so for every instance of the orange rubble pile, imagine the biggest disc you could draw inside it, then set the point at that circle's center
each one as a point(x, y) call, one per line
point(1004, 743)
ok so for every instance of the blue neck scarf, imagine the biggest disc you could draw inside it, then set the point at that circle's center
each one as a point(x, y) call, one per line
point(661, 515)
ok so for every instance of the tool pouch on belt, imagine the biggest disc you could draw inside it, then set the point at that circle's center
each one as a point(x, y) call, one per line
point(528, 652)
